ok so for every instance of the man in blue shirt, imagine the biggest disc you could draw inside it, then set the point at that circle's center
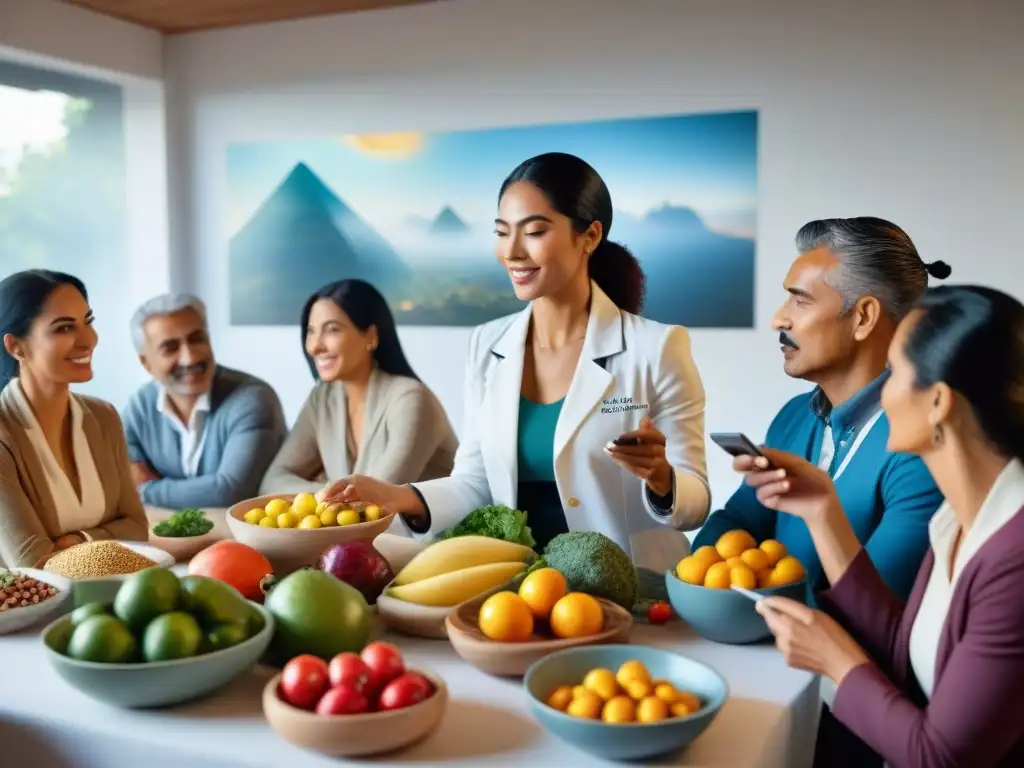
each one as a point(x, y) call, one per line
point(852, 283)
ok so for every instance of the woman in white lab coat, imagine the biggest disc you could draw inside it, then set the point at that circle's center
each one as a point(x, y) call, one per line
point(550, 390)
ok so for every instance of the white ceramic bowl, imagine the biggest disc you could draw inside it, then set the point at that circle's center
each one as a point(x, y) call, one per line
point(16, 619)
point(289, 549)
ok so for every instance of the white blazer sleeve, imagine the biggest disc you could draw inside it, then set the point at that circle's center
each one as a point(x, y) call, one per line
point(451, 498)
point(678, 412)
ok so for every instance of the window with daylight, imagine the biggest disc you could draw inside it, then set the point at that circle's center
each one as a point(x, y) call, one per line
point(63, 204)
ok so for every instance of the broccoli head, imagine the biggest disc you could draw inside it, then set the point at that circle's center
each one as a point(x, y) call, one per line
point(593, 563)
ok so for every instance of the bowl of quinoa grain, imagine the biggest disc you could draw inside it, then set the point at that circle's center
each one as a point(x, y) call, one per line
point(97, 568)
point(29, 596)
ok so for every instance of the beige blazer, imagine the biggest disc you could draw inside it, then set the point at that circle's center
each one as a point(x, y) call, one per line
point(28, 515)
point(406, 438)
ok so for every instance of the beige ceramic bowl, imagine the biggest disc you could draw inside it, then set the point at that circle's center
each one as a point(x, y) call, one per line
point(289, 549)
point(355, 735)
point(183, 548)
point(513, 659)
point(418, 620)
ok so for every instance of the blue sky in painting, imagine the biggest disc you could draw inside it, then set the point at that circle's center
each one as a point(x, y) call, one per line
point(706, 162)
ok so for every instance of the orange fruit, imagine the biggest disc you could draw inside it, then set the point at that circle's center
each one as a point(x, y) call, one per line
point(756, 560)
point(651, 710)
point(707, 555)
point(764, 578)
point(619, 710)
point(632, 670)
point(775, 550)
point(638, 689)
point(542, 589)
point(680, 709)
point(734, 544)
point(560, 697)
point(602, 682)
point(742, 576)
point(691, 570)
point(666, 692)
point(718, 577)
point(586, 704)
point(788, 570)
point(506, 618)
point(691, 700)
point(576, 615)
point(732, 562)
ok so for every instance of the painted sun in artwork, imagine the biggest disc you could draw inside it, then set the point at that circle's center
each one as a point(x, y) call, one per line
point(387, 145)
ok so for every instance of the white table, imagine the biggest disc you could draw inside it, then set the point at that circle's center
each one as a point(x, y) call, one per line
point(770, 720)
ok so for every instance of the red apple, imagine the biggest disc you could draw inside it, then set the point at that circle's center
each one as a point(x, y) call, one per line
point(348, 669)
point(404, 691)
point(385, 663)
point(304, 680)
point(343, 700)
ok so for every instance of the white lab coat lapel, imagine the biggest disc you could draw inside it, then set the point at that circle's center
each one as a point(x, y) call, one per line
point(591, 380)
point(502, 406)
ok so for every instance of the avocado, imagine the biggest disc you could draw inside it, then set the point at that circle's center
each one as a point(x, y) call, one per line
point(213, 602)
point(145, 595)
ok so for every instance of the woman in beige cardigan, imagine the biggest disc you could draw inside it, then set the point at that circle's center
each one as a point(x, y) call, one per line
point(64, 475)
point(369, 412)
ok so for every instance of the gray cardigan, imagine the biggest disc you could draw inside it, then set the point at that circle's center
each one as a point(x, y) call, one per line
point(243, 432)
point(406, 437)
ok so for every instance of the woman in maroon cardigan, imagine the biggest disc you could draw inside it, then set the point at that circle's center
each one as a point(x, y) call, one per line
point(938, 681)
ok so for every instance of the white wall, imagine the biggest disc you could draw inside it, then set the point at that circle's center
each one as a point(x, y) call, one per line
point(894, 109)
point(53, 35)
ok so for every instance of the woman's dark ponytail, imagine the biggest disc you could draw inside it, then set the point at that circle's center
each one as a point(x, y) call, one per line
point(578, 192)
point(618, 273)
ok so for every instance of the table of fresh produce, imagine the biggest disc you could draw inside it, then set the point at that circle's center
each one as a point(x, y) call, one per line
point(470, 649)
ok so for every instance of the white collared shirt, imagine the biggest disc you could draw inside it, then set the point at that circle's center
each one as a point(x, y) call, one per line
point(74, 513)
point(193, 434)
point(1004, 500)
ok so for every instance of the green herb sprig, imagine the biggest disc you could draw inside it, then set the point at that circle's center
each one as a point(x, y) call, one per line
point(187, 522)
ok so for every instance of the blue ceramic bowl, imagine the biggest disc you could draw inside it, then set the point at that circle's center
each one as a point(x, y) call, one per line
point(160, 683)
point(724, 615)
point(626, 741)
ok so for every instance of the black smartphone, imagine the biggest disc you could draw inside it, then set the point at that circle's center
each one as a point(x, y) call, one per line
point(736, 444)
point(626, 441)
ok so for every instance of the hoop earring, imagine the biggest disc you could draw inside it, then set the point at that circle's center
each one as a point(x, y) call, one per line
point(938, 437)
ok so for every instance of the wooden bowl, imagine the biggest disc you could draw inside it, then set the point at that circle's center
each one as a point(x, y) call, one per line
point(289, 549)
point(513, 659)
point(420, 620)
point(183, 548)
point(355, 735)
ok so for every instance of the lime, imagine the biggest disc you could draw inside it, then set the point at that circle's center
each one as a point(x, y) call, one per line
point(83, 612)
point(349, 517)
point(213, 602)
point(145, 595)
point(226, 635)
point(102, 638)
point(309, 522)
point(174, 635)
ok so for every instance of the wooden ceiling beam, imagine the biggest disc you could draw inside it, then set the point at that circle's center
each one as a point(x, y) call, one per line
point(177, 16)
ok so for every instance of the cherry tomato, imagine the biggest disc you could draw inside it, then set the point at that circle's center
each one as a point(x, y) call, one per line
point(404, 691)
point(343, 700)
point(349, 669)
point(304, 680)
point(659, 613)
point(385, 663)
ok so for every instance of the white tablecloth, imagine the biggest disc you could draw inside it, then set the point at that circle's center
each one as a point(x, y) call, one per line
point(769, 721)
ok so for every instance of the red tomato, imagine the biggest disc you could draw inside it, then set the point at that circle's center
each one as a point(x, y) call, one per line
point(404, 691)
point(384, 662)
point(348, 669)
point(659, 613)
point(343, 700)
point(304, 680)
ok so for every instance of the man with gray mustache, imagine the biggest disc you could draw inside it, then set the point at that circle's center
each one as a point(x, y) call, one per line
point(852, 283)
point(200, 434)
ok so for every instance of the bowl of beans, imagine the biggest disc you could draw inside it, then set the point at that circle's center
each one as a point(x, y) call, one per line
point(96, 569)
point(29, 596)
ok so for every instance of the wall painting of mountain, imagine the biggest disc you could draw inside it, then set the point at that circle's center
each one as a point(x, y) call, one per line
point(414, 215)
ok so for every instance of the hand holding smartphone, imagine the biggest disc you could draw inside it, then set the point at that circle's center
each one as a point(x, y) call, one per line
point(737, 444)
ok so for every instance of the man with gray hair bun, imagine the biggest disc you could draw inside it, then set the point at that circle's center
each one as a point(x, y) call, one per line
point(852, 283)
point(200, 434)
